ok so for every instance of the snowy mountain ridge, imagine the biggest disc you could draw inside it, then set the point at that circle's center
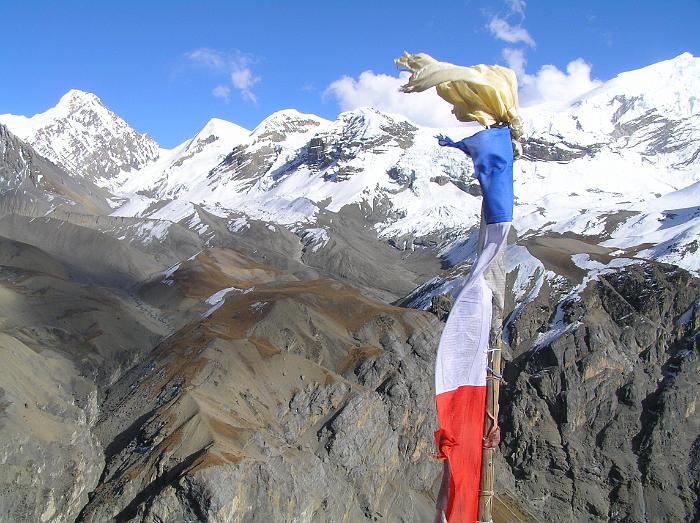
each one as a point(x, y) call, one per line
point(594, 169)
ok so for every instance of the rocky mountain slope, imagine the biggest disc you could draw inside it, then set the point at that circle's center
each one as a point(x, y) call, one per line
point(599, 421)
point(243, 328)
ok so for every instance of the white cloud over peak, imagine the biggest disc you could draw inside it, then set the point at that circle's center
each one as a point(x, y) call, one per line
point(550, 84)
point(512, 34)
point(236, 65)
point(381, 91)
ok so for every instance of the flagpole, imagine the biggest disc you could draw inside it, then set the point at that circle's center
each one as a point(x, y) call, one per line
point(487, 457)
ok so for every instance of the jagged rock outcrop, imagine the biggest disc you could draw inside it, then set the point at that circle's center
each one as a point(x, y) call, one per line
point(601, 424)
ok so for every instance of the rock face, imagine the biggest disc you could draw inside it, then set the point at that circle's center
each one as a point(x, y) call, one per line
point(51, 459)
point(234, 418)
point(601, 424)
point(49, 186)
point(62, 344)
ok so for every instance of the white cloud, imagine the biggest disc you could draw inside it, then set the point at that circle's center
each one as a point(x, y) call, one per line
point(206, 57)
point(221, 91)
point(512, 34)
point(381, 91)
point(243, 80)
point(550, 84)
point(236, 65)
point(515, 58)
point(517, 7)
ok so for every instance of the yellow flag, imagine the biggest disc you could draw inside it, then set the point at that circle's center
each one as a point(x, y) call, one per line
point(487, 94)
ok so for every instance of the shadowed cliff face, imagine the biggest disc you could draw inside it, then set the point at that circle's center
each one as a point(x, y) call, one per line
point(62, 344)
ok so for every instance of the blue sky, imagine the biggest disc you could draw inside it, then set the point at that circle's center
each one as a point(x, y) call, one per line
point(167, 67)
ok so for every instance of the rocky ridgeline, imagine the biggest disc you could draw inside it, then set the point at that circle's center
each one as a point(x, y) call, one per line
point(236, 418)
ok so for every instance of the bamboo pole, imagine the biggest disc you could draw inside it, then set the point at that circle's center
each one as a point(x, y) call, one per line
point(487, 456)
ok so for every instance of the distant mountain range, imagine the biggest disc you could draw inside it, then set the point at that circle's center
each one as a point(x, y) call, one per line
point(135, 281)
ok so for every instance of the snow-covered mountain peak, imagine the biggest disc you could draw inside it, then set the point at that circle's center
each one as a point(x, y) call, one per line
point(76, 99)
point(288, 114)
point(676, 74)
point(218, 137)
point(291, 115)
point(223, 130)
point(662, 89)
point(220, 127)
point(661, 82)
point(75, 104)
point(370, 117)
point(369, 113)
point(649, 109)
point(372, 128)
point(287, 122)
point(84, 137)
